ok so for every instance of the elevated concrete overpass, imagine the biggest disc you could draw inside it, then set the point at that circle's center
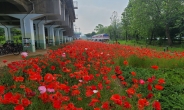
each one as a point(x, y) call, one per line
point(39, 20)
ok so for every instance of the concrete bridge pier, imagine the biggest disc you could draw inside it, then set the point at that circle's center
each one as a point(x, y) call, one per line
point(65, 39)
point(51, 36)
point(7, 30)
point(62, 39)
point(61, 36)
point(26, 22)
point(57, 39)
point(40, 33)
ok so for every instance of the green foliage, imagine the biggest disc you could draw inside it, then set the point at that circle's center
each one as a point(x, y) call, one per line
point(153, 18)
point(17, 39)
point(1, 31)
point(5, 78)
point(172, 96)
point(2, 40)
point(90, 34)
point(99, 29)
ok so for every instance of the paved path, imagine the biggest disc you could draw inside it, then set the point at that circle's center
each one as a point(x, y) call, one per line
point(11, 57)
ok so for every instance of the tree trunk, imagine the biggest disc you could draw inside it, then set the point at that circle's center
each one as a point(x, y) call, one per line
point(151, 37)
point(180, 38)
point(126, 36)
point(167, 33)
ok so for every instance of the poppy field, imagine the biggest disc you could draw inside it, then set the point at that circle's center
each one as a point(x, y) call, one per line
point(85, 75)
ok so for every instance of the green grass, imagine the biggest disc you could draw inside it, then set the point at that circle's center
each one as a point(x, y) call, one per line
point(155, 47)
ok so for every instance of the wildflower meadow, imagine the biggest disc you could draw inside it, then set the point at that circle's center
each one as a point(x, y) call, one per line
point(85, 75)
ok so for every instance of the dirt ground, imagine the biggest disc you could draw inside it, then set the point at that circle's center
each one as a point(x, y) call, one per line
point(11, 57)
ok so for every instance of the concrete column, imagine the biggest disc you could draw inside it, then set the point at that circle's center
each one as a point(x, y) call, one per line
point(61, 36)
point(57, 36)
point(65, 39)
point(28, 38)
point(6, 33)
point(36, 36)
point(62, 39)
point(51, 38)
point(40, 33)
point(7, 30)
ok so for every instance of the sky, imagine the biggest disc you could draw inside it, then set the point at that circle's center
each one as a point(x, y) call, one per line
point(90, 13)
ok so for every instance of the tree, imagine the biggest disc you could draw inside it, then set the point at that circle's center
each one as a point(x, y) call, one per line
point(90, 34)
point(145, 17)
point(99, 29)
point(114, 24)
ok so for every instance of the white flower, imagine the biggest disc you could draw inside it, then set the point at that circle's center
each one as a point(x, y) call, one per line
point(80, 80)
point(101, 53)
point(95, 91)
point(86, 48)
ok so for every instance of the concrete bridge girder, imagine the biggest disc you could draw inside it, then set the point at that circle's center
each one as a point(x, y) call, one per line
point(58, 35)
point(13, 5)
point(20, 5)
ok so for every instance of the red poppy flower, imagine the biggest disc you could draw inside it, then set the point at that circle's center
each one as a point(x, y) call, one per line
point(75, 87)
point(150, 80)
point(149, 87)
point(19, 107)
point(105, 105)
point(100, 86)
point(161, 81)
point(93, 102)
point(155, 67)
point(159, 87)
point(97, 108)
point(18, 79)
point(53, 68)
point(75, 92)
point(117, 99)
point(130, 91)
point(149, 96)
point(113, 77)
point(127, 105)
point(48, 77)
point(26, 102)
point(79, 98)
point(57, 104)
point(4, 61)
point(89, 93)
point(86, 78)
point(156, 105)
point(2, 89)
point(142, 103)
point(133, 73)
point(125, 62)
point(8, 96)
